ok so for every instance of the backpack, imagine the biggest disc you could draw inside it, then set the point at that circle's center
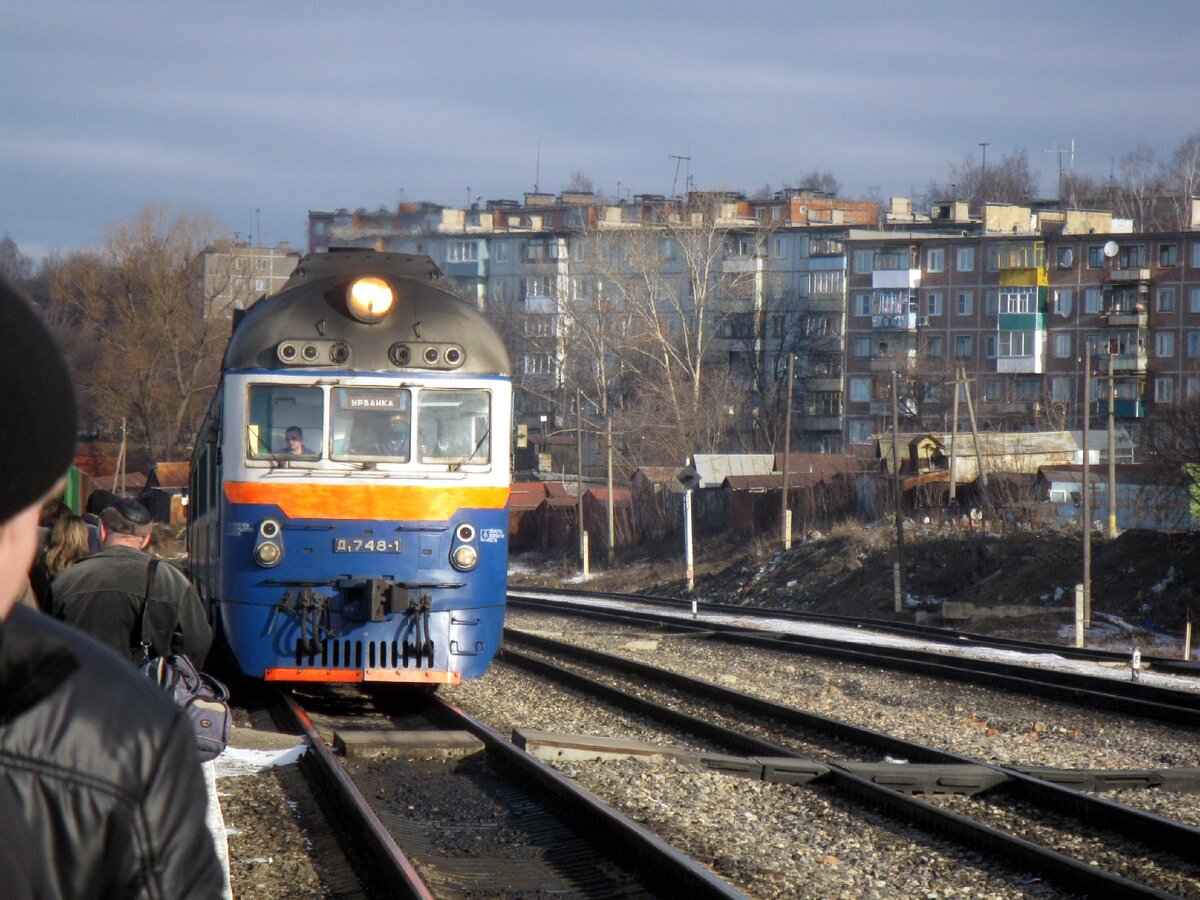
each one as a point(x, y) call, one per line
point(203, 698)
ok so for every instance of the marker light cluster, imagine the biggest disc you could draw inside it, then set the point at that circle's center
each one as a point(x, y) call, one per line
point(464, 555)
point(268, 548)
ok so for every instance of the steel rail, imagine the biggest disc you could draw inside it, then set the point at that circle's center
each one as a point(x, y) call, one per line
point(1128, 697)
point(664, 867)
point(394, 869)
point(1067, 870)
point(1133, 823)
point(953, 636)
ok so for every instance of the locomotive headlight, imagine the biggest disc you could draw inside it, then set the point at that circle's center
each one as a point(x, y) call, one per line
point(369, 299)
point(268, 553)
point(464, 557)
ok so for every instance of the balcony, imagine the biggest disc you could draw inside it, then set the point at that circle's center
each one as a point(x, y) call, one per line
point(1122, 362)
point(1126, 276)
point(1020, 365)
point(823, 383)
point(820, 423)
point(1025, 255)
point(1122, 409)
point(893, 279)
point(826, 302)
point(1137, 318)
point(895, 321)
point(891, 363)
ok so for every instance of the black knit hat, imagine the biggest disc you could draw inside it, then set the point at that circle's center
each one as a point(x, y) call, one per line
point(37, 406)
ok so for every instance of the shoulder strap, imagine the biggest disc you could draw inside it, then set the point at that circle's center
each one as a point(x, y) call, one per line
point(151, 571)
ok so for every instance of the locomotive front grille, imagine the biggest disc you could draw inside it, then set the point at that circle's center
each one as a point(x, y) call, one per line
point(355, 654)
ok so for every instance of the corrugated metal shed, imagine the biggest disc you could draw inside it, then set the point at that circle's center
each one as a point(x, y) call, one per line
point(1019, 451)
point(714, 468)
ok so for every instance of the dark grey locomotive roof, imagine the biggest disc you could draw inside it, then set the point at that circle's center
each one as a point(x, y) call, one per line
point(310, 309)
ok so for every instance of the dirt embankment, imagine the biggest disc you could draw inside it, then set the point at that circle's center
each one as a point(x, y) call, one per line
point(1146, 578)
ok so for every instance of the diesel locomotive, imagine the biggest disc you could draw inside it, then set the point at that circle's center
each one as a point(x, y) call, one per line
point(347, 516)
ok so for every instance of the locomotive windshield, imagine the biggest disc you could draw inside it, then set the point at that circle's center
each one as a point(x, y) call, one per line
point(454, 427)
point(285, 419)
point(371, 424)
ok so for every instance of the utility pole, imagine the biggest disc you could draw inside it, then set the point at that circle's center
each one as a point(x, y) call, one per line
point(1112, 455)
point(898, 576)
point(983, 175)
point(784, 512)
point(583, 554)
point(954, 437)
point(612, 537)
point(983, 485)
point(1085, 500)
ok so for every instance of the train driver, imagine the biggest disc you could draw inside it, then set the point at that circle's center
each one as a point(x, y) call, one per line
point(294, 436)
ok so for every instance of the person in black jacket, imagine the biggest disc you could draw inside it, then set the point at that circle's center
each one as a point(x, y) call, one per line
point(105, 594)
point(99, 776)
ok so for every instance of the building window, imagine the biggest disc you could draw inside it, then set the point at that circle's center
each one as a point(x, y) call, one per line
point(1164, 344)
point(935, 260)
point(1193, 344)
point(1194, 300)
point(933, 304)
point(933, 346)
point(992, 389)
point(1193, 387)
point(537, 286)
point(1062, 302)
point(1091, 300)
point(991, 303)
point(965, 259)
point(860, 390)
point(461, 251)
point(990, 346)
point(1062, 346)
point(1164, 390)
point(864, 261)
point(778, 247)
point(1196, 255)
point(1132, 256)
point(1166, 299)
point(1016, 343)
point(964, 302)
point(861, 348)
point(860, 433)
point(500, 251)
point(1018, 300)
point(1168, 255)
point(993, 259)
point(668, 249)
point(1027, 388)
point(537, 363)
point(260, 284)
point(1060, 389)
point(1064, 257)
point(963, 346)
point(1096, 256)
point(862, 304)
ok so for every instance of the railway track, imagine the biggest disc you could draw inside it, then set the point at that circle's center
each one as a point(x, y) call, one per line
point(446, 807)
point(1155, 843)
point(1127, 697)
point(948, 636)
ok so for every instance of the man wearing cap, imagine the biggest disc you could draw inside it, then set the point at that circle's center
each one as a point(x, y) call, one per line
point(104, 594)
point(101, 791)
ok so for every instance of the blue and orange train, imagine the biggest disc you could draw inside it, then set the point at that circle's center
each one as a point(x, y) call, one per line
point(347, 519)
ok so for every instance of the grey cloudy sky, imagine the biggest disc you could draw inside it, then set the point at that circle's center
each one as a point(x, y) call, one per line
point(283, 107)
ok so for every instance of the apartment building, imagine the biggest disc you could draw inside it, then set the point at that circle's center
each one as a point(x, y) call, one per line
point(535, 264)
point(235, 274)
point(1028, 306)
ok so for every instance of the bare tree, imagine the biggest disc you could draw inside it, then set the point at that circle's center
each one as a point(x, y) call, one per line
point(1182, 178)
point(154, 355)
point(1173, 439)
point(1007, 180)
point(14, 265)
point(817, 180)
point(668, 275)
point(1139, 186)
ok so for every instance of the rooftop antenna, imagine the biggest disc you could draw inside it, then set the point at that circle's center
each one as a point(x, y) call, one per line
point(537, 172)
point(688, 174)
point(1060, 153)
point(983, 173)
point(257, 229)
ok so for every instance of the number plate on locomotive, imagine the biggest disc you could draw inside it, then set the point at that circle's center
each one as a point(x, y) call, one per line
point(366, 545)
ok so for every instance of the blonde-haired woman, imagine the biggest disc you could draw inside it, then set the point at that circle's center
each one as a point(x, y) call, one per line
point(67, 545)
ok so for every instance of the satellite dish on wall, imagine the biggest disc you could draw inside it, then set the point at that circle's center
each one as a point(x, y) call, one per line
point(1110, 249)
point(1067, 258)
